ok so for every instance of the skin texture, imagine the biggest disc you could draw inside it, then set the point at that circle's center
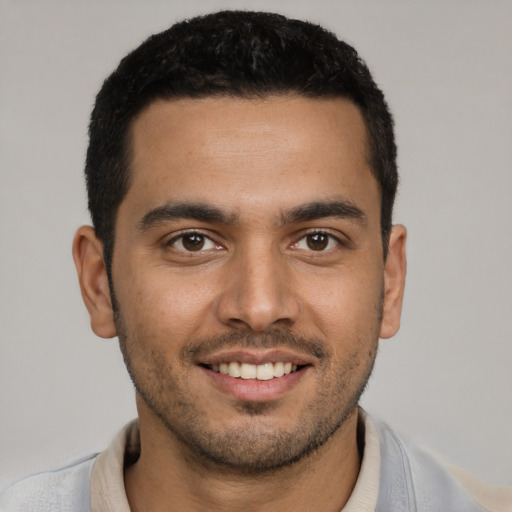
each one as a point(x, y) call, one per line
point(261, 262)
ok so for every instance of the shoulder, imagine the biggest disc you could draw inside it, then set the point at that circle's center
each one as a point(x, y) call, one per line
point(62, 490)
point(426, 483)
point(493, 498)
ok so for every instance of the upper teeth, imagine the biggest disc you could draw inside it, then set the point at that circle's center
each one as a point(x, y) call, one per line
point(265, 371)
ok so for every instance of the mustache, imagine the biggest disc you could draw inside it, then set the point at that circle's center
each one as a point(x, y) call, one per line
point(274, 338)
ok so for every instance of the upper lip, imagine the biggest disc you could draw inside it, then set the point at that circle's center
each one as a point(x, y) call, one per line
point(256, 357)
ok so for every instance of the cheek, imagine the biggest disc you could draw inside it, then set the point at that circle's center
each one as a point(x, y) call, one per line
point(347, 304)
point(165, 307)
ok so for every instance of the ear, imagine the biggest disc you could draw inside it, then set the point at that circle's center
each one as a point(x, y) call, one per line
point(92, 277)
point(394, 282)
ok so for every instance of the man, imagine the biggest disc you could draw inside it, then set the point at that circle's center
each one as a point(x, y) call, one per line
point(241, 176)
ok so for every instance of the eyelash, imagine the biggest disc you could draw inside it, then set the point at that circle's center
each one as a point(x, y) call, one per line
point(329, 240)
point(182, 236)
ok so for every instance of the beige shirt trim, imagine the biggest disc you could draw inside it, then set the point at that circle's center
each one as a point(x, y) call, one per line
point(107, 479)
point(364, 495)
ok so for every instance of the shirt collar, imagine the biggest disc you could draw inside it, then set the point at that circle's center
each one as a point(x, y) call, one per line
point(107, 481)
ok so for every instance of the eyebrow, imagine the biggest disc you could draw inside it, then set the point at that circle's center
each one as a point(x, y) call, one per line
point(340, 208)
point(178, 210)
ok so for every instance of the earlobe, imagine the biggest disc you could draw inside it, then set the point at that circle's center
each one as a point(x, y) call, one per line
point(92, 277)
point(394, 282)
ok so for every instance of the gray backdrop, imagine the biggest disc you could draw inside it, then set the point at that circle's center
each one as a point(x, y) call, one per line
point(446, 379)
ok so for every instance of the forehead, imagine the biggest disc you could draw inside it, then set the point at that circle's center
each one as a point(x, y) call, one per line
point(287, 122)
point(281, 148)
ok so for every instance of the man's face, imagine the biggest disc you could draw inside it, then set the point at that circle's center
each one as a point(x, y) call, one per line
point(249, 242)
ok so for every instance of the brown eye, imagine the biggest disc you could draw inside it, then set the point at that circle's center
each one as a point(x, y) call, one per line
point(317, 241)
point(193, 242)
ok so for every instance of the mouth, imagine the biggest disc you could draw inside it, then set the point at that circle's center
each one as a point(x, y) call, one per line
point(248, 371)
point(257, 375)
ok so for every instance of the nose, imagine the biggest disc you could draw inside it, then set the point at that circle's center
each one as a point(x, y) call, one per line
point(258, 293)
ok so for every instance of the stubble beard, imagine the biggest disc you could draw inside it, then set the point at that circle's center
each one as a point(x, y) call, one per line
point(256, 448)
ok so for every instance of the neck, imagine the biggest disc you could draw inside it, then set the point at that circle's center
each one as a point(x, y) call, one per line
point(168, 476)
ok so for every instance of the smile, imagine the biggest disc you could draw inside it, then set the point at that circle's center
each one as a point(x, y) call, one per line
point(266, 371)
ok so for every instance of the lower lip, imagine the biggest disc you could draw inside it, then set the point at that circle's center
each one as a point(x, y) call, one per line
point(254, 390)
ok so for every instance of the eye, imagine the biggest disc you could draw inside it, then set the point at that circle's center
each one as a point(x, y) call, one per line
point(192, 242)
point(318, 241)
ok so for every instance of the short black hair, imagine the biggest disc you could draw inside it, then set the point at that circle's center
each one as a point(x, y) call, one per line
point(229, 53)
